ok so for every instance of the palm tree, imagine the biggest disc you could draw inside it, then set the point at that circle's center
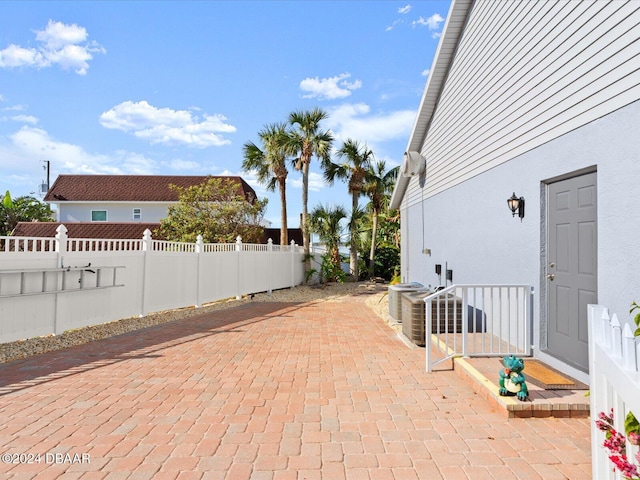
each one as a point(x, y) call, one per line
point(378, 188)
point(305, 141)
point(269, 163)
point(325, 221)
point(357, 162)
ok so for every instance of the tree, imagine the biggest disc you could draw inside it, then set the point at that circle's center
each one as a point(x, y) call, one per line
point(22, 209)
point(305, 141)
point(269, 163)
point(378, 188)
point(354, 169)
point(326, 222)
point(215, 209)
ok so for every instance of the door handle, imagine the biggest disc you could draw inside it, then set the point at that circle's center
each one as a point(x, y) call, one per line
point(550, 276)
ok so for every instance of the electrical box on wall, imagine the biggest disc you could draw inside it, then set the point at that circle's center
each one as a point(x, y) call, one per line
point(427, 251)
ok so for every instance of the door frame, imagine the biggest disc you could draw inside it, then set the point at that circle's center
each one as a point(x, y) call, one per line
point(543, 343)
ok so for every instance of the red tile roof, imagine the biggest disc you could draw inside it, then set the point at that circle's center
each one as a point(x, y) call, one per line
point(129, 188)
point(106, 230)
point(121, 231)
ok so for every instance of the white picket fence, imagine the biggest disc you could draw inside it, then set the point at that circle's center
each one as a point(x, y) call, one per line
point(53, 285)
point(614, 361)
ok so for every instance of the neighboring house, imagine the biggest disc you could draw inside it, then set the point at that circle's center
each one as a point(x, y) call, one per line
point(123, 198)
point(123, 206)
point(540, 99)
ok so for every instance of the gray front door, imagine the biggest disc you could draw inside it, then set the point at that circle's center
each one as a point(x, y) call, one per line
point(571, 267)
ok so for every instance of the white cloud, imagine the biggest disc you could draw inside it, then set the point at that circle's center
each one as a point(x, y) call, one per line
point(329, 88)
point(58, 44)
point(167, 126)
point(316, 181)
point(25, 119)
point(15, 108)
point(392, 26)
point(433, 22)
point(425, 73)
point(404, 10)
point(356, 121)
point(57, 35)
point(30, 145)
point(22, 152)
point(178, 164)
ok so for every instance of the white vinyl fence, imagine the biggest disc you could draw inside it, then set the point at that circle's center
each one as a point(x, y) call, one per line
point(615, 382)
point(52, 285)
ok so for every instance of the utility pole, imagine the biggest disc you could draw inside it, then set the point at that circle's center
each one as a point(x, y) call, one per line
point(44, 187)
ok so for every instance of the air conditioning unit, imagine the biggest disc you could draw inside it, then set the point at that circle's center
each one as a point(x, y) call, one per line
point(443, 313)
point(413, 164)
point(395, 297)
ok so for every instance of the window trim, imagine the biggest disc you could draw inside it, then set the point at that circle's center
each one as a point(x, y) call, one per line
point(106, 215)
point(139, 218)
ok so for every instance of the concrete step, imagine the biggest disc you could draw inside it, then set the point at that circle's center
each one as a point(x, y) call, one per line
point(484, 374)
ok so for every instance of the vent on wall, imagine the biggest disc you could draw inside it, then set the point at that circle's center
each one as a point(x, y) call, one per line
point(413, 164)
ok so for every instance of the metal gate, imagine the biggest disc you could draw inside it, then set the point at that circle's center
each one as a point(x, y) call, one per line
point(496, 320)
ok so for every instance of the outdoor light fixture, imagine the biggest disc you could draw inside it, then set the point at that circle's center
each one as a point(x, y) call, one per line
point(516, 204)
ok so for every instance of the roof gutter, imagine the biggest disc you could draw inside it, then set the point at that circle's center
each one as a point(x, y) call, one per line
point(456, 20)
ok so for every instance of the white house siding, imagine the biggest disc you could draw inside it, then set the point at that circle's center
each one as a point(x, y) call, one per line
point(525, 73)
point(469, 227)
point(116, 211)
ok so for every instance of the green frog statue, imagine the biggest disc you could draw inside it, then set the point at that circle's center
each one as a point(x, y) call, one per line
point(511, 378)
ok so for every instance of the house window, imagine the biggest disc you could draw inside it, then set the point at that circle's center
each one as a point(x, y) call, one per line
point(137, 214)
point(98, 215)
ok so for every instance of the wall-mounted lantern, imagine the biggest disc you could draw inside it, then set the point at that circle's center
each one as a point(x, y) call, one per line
point(516, 205)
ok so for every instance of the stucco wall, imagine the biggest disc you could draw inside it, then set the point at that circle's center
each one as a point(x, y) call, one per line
point(471, 229)
point(116, 212)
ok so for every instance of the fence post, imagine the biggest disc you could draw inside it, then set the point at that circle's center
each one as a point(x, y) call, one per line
point(616, 336)
point(239, 250)
point(147, 246)
point(465, 320)
point(270, 267)
point(628, 348)
point(595, 328)
point(595, 319)
point(428, 331)
point(199, 250)
point(293, 257)
point(61, 242)
point(605, 324)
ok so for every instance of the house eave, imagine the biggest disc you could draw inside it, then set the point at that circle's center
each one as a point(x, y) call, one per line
point(451, 33)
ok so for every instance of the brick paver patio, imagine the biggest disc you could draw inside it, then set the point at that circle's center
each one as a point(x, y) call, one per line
point(320, 390)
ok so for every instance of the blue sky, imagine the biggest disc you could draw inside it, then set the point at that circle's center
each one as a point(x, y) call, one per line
point(177, 88)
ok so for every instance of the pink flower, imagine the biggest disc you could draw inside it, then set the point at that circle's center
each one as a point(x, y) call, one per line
point(615, 442)
point(605, 422)
point(603, 426)
point(627, 470)
point(606, 418)
point(634, 438)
